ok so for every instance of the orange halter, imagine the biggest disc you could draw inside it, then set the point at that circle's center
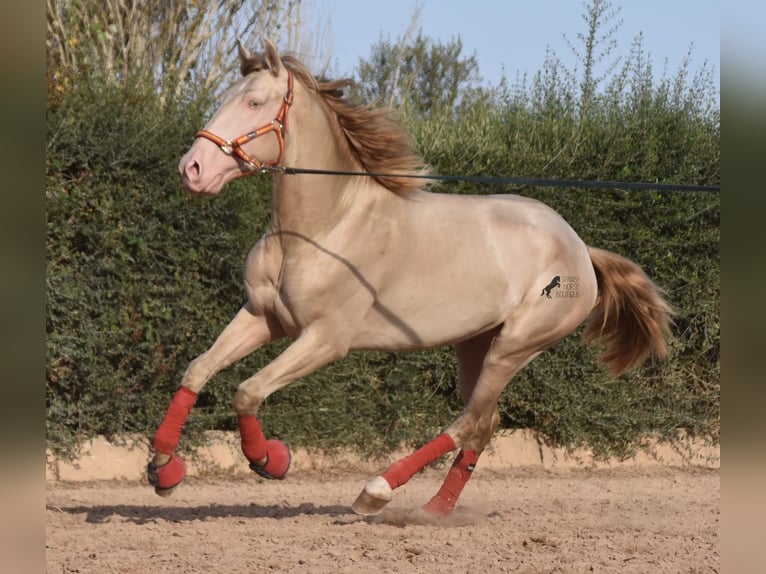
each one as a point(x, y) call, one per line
point(278, 125)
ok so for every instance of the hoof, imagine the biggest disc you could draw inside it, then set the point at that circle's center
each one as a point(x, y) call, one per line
point(373, 498)
point(165, 478)
point(438, 507)
point(164, 492)
point(277, 461)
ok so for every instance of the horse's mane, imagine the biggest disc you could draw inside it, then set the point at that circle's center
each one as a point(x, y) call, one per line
point(377, 140)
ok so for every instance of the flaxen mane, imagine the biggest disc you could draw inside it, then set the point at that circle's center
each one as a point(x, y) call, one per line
point(376, 139)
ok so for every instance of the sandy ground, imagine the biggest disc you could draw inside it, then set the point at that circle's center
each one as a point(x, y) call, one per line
point(528, 520)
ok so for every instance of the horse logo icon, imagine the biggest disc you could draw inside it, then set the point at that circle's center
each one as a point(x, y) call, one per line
point(555, 282)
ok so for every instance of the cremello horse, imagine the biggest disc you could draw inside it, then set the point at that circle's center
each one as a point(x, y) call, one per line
point(374, 262)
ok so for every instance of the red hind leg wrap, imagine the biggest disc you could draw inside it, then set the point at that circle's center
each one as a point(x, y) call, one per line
point(253, 442)
point(169, 431)
point(444, 501)
point(403, 470)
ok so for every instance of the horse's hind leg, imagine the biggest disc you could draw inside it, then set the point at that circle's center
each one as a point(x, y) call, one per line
point(470, 357)
point(379, 490)
point(520, 339)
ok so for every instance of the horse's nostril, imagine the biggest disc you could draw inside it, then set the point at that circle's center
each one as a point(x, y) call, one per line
point(192, 170)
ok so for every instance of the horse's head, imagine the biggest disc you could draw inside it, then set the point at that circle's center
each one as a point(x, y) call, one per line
point(247, 132)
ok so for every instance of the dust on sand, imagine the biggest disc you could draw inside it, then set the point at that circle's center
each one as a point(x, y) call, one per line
point(526, 520)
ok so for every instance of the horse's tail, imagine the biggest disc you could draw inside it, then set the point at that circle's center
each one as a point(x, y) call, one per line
point(630, 316)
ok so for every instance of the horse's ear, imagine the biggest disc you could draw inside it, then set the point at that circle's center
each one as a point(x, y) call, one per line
point(273, 61)
point(245, 56)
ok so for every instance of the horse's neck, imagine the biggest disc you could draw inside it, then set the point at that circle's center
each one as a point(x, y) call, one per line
point(313, 205)
point(310, 205)
point(303, 204)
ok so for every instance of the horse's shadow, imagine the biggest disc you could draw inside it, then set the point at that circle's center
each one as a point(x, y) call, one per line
point(342, 515)
point(138, 514)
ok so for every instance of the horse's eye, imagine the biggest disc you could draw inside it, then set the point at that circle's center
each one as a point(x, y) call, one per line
point(253, 104)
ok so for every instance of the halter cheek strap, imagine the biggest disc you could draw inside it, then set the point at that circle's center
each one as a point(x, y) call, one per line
point(278, 125)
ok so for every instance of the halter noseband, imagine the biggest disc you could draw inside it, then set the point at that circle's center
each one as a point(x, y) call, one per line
point(278, 125)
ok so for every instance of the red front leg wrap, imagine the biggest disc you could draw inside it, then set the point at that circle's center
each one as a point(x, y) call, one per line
point(253, 442)
point(257, 449)
point(169, 431)
point(443, 503)
point(403, 470)
point(166, 477)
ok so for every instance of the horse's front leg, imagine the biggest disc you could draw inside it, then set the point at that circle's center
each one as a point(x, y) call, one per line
point(244, 334)
point(313, 349)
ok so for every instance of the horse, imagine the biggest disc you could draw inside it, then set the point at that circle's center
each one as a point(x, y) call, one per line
point(374, 260)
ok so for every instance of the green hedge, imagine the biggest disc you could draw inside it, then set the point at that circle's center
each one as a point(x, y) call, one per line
point(141, 277)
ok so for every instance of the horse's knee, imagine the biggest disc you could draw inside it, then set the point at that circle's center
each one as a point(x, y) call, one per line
point(197, 374)
point(246, 401)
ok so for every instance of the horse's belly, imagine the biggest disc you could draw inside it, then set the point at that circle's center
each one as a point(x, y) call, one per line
point(431, 320)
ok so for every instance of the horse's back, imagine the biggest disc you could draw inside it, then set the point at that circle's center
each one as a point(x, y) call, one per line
point(524, 237)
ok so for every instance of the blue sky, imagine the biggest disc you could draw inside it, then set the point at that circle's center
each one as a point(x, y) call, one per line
point(510, 36)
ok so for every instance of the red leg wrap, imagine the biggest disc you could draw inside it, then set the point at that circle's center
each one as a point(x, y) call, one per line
point(167, 476)
point(253, 442)
point(443, 503)
point(169, 431)
point(403, 470)
point(256, 448)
